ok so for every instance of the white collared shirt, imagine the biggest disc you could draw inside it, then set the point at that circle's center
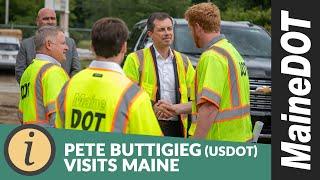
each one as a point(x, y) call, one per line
point(106, 65)
point(47, 58)
point(166, 77)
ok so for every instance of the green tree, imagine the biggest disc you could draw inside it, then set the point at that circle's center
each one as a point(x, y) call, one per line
point(131, 11)
point(255, 11)
point(83, 13)
point(21, 12)
point(255, 15)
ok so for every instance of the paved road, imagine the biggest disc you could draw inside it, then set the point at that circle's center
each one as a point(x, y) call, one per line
point(9, 97)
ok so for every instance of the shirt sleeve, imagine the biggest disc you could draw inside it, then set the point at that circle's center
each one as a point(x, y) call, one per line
point(21, 62)
point(131, 68)
point(60, 102)
point(212, 75)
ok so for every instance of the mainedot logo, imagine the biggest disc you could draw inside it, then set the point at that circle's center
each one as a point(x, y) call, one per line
point(29, 149)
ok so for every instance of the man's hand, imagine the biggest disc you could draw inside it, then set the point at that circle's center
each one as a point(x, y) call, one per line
point(164, 110)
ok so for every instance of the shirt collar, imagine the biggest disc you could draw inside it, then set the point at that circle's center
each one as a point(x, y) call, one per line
point(159, 55)
point(106, 65)
point(45, 57)
point(214, 40)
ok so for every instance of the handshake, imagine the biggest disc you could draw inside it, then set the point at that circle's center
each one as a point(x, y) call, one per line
point(165, 110)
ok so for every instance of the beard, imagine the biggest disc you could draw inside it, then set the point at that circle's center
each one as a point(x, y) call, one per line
point(196, 40)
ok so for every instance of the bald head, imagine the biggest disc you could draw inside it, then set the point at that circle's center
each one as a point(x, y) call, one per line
point(46, 17)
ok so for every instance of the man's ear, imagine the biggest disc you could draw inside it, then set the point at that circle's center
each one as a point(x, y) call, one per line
point(197, 28)
point(149, 33)
point(48, 44)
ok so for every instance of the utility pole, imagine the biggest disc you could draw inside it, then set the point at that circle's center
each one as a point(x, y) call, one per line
point(7, 12)
point(64, 17)
point(61, 6)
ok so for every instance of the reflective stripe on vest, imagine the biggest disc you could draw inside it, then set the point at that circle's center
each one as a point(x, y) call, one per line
point(50, 107)
point(210, 94)
point(233, 79)
point(121, 113)
point(184, 60)
point(39, 106)
point(194, 118)
point(155, 65)
point(231, 114)
point(140, 56)
point(186, 65)
point(61, 106)
point(236, 111)
point(224, 115)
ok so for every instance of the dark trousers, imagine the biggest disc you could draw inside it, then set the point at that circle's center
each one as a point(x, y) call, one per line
point(171, 128)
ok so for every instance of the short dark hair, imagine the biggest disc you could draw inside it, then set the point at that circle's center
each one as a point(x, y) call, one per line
point(108, 36)
point(158, 16)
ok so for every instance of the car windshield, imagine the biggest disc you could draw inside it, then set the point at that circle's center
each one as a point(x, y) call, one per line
point(248, 41)
point(134, 35)
point(9, 47)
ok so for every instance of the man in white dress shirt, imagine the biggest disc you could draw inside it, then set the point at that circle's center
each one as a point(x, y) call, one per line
point(165, 74)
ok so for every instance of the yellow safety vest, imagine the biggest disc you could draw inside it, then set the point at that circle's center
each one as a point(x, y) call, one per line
point(104, 100)
point(222, 79)
point(140, 67)
point(40, 85)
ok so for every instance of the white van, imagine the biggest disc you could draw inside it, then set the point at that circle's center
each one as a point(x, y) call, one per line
point(9, 47)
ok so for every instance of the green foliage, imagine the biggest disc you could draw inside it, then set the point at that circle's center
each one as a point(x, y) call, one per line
point(254, 15)
point(255, 11)
point(83, 13)
point(131, 11)
point(84, 44)
point(21, 12)
point(246, 4)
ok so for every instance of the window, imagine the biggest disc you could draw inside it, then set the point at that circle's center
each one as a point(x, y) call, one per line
point(9, 47)
point(134, 35)
point(184, 42)
point(248, 41)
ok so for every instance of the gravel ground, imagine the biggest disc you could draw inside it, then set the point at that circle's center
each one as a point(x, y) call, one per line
point(9, 97)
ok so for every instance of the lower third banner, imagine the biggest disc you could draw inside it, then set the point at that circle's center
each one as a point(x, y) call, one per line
point(34, 152)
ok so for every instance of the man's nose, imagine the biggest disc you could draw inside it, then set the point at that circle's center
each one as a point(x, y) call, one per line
point(166, 31)
point(51, 21)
